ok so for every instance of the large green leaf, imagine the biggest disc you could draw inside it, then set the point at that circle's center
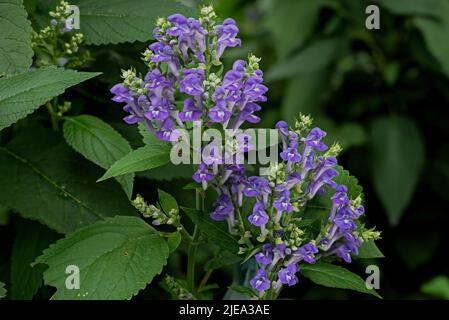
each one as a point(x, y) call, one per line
point(397, 160)
point(116, 21)
point(213, 230)
point(435, 34)
point(116, 258)
point(333, 276)
point(437, 287)
point(31, 239)
point(2, 290)
point(141, 159)
point(317, 56)
point(15, 37)
point(100, 143)
point(369, 250)
point(45, 180)
point(413, 7)
point(23, 93)
point(296, 16)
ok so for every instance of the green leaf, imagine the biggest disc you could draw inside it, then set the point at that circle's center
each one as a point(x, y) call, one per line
point(141, 159)
point(318, 55)
point(297, 16)
point(118, 21)
point(223, 258)
point(173, 241)
point(4, 215)
point(213, 230)
point(167, 201)
point(100, 143)
point(245, 291)
point(2, 290)
point(304, 94)
point(397, 160)
point(15, 39)
point(31, 239)
point(332, 276)
point(430, 8)
point(435, 34)
point(437, 287)
point(351, 182)
point(116, 258)
point(23, 93)
point(44, 179)
point(369, 250)
point(168, 172)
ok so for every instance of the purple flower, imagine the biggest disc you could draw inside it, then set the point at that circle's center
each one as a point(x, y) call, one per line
point(226, 33)
point(259, 217)
point(282, 127)
point(307, 252)
point(260, 281)
point(293, 180)
point(314, 139)
point(167, 131)
point(192, 82)
point(190, 112)
point(219, 113)
point(257, 187)
point(282, 202)
point(223, 208)
point(266, 255)
point(203, 175)
point(288, 275)
point(122, 93)
point(163, 52)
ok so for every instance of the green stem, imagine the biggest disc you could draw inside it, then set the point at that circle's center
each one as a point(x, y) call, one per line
point(54, 116)
point(205, 279)
point(193, 246)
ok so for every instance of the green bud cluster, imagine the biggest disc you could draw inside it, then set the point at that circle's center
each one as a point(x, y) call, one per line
point(179, 291)
point(159, 216)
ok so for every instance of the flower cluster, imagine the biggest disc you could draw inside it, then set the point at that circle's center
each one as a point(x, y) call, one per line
point(308, 169)
point(182, 84)
point(59, 43)
point(185, 84)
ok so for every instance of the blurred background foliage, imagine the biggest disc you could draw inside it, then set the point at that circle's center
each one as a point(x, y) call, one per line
point(383, 94)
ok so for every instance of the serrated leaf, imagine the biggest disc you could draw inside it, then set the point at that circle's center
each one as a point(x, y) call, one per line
point(31, 239)
point(437, 287)
point(23, 93)
point(44, 179)
point(351, 182)
point(117, 21)
point(173, 241)
point(116, 258)
point(369, 250)
point(430, 8)
point(213, 230)
point(397, 160)
point(15, 37)
point(333, 276)
point(167, 201)
point(318, 55)
point(435, 34)
point(98, 142)
point(2, 290)
point(141, 159)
